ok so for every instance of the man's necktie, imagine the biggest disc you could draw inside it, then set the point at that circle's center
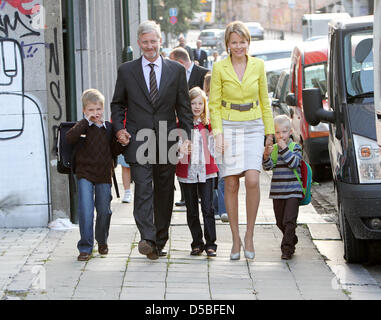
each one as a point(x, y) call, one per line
point(153, 84)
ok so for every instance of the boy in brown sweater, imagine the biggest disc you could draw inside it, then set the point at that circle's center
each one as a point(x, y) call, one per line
point(94, 167)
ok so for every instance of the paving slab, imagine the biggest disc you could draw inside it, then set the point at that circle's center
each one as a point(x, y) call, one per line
point(127, 275)
point(324, 231)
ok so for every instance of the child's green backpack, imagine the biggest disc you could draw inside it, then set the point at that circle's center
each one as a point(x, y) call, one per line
point(306, 174)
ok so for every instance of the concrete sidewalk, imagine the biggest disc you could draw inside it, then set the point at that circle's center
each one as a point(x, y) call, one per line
point(41, 263)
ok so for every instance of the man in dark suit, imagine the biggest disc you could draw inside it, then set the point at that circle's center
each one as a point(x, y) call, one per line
point(200, 55)
point(195, 74)
point(154, 92)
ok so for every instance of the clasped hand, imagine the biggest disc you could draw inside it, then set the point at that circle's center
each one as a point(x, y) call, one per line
point(123, 137)
point(268, 146)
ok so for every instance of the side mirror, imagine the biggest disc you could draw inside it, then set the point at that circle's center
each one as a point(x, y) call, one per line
point(291, 100)
point(313, 107)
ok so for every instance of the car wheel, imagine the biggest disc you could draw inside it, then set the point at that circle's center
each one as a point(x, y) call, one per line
point(355, 250)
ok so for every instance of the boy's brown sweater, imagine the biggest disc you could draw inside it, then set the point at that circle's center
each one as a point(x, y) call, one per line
point(94, 160)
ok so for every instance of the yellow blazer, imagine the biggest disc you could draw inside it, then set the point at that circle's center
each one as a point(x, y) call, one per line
point(226, 86)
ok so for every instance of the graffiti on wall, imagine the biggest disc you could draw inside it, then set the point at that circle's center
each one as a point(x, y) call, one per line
point(24, 182)
point(19, 5)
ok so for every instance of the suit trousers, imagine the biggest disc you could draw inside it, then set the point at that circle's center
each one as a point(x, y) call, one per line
point(286, 214)
point(153, 200)
point(191, 193)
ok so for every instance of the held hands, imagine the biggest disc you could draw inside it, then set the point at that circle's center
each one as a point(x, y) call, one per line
point(268, 146)
point(123, 137)
point(186, 147)
point(267, 152)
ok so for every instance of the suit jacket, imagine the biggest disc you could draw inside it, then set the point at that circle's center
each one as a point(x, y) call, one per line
point(131, 94)
point(225, 86)
point(197, 76)
point(202, 59)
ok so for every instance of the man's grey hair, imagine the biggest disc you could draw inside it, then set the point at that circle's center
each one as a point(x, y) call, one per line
point(148, 27)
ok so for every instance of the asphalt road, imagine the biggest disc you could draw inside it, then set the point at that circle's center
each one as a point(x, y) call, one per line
point(324, 202)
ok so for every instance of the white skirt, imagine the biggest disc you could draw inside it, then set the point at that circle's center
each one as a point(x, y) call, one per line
point(244, 147)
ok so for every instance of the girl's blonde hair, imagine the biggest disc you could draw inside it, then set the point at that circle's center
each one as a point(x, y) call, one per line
point(239, 28)
point(194, 93)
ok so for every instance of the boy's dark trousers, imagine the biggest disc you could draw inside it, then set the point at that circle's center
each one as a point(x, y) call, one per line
point(286, 214)
point(191, 193)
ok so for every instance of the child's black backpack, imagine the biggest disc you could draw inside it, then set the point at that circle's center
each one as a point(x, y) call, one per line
point(66, 152)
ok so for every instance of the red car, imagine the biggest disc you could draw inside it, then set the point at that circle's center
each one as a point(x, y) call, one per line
point(309, 70)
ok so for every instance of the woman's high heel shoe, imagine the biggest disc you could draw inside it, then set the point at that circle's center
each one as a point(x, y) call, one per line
point(249, 254)
point(236, 256)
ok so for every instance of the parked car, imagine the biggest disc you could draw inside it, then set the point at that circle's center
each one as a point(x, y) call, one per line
point(309, 70)
point(256, 30)
point(212, 38)
point(271, 49)
point(273, 70)
point(353, 148)
point(278, 101)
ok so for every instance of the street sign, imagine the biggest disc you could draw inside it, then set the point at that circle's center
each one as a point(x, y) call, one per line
point(291, 4)
point(173, 12)
point(173, 20)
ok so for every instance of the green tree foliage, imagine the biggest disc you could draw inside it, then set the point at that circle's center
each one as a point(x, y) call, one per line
point(185, 11)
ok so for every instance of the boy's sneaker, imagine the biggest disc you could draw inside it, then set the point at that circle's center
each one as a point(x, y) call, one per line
point(224, 217)
point(217, 217)
point(127, 196)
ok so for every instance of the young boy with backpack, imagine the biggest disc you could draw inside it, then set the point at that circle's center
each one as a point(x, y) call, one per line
point(94, 166)
point(286, 191)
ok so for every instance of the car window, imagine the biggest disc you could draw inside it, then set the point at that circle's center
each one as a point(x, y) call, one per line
point(358, 57)
point(274, 55)
point(315, 76)
point(207, 34)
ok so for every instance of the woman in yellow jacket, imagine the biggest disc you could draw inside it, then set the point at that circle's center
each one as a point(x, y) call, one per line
point(241, 116)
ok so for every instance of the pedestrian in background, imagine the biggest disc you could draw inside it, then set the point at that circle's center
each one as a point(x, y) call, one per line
point(200, 55)
point(218, 194)
point(182, 44)
point(126, 179)
point(194, 73)
point(93, 167)
point(285, 190)
point(213, 60)
point(241, 116)
point(196, 174)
